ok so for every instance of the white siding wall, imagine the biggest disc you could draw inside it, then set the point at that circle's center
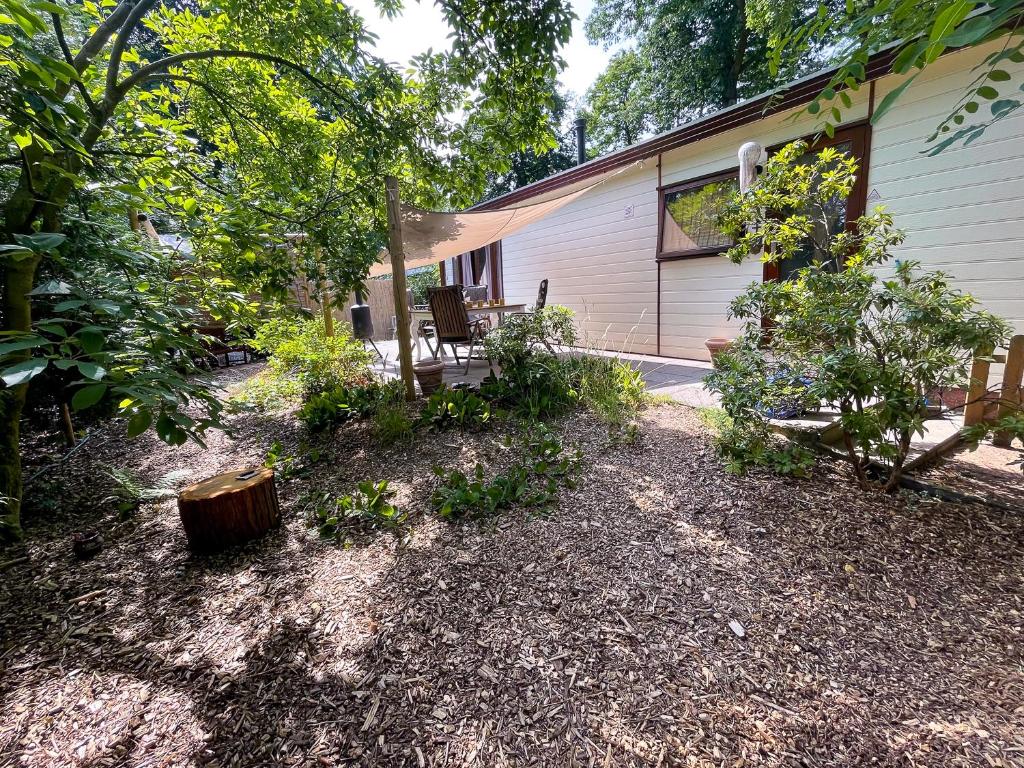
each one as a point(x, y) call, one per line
point(963, 212)
point(598, 259)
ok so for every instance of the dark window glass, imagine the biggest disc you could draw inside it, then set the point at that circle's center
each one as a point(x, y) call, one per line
point(835, 222)
point(688, 223)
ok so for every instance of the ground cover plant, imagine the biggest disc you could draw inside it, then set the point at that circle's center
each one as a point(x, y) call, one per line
point(458, 407)
point(367, 508)
point(536, 383)
point(852, 327)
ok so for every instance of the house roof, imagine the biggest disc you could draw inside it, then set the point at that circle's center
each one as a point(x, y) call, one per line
point(793, 94)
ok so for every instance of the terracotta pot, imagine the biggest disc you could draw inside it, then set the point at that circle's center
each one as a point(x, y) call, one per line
point(429, 374)
point(716, 346)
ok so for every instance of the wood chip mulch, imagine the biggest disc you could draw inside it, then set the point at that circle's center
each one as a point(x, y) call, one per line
point(664, 614)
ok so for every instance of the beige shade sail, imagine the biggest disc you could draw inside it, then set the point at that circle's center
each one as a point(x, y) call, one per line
point(429, 237)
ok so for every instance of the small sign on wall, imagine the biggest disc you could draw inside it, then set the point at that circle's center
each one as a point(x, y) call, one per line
point(627, 212)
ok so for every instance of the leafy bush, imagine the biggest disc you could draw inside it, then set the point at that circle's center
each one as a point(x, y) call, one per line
point(840, 331)
point(458, 497)
point(519, 336)
point(302, 352)
point(533, 480)
point(456, 407)
point(339, 404)
point(537, 386)
point(367, 508)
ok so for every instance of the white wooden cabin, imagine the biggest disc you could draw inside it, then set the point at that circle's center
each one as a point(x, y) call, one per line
point(639, 286)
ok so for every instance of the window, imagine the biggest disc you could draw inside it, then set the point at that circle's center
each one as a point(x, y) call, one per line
point(687, 217)
point(839, 214)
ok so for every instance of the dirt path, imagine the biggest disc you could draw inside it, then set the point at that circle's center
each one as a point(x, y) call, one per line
point(875, 631)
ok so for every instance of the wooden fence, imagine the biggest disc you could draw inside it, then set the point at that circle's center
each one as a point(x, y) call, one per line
point(381, 301)
point(985, 406)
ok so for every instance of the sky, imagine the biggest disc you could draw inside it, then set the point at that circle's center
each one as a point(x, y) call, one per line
point(421, 27)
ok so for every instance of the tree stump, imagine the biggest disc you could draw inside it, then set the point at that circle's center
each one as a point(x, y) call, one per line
point(229, 509)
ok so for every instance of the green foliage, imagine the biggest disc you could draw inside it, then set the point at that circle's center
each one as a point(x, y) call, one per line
point(459, 497)
point(521, 334)
point(536, 387)
point(129, 492)
point(870, 342)
point(533, 480)
point(112, 328)
point(420, 280)
point(337, 405)
point(922, 32)
point(613, 389)
point(367, 508)
point(301, 351)
point(691, 57)
point(240, 124)
point(456, 407)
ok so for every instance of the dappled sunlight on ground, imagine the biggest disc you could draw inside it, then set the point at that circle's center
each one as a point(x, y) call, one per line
point(664, 612)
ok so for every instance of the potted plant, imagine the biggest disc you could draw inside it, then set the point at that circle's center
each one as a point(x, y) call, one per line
point(716, 346)
point(429, 374)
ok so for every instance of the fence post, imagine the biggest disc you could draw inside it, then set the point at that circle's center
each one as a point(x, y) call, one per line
point(1009, 395)
point(396, 247)
point(974, 408)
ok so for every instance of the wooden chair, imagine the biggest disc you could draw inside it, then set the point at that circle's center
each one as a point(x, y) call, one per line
point(542, 295)
point(451, 321)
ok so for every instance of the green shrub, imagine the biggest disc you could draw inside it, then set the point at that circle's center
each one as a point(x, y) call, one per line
point(458, 497)
point(521, 334)
point(369, 507)
point(537, 386)
point(338, 405)
point(841, 331)
point(456, 407)
point(300, 351)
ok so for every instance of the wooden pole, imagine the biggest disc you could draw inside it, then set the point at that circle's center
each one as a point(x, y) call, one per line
point(974, 410)
point(1009, 397)
point(398, 285)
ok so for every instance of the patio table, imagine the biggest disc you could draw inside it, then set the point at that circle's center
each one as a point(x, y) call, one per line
point(415, 315)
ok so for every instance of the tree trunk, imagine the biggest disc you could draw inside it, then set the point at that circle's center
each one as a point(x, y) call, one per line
point(734, 67)
point(18, 279)
point(229, 509)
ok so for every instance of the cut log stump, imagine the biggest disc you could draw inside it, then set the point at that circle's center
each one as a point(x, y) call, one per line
point(229, 509)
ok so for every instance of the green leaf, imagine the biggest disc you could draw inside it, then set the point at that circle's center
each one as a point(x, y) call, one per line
point(988, 92)
point(23, 140)
point(15, 346)
point(23, 371)
point(999, 75)
point(88, 396)
point(91, 339)
point(139, 423)
point(91, 370)
point(890, 98)
point(41, 242)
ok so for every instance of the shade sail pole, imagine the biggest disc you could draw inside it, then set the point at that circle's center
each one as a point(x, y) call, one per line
point(398, 284)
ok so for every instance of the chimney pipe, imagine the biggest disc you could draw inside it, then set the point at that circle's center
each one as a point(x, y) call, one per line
point(580, 124)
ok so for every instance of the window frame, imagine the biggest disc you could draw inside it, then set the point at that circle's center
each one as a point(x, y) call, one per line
point(859, 136)
point(699, 181)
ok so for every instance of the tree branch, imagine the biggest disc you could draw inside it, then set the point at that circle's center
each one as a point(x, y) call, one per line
point(144, 73)
point(124, 34)
point(58, 29)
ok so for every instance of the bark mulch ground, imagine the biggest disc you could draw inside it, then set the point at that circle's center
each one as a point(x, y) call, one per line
point(664, 614)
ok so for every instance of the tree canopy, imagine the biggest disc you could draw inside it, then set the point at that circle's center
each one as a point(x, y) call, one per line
point(689, 57)
point(243, 124)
